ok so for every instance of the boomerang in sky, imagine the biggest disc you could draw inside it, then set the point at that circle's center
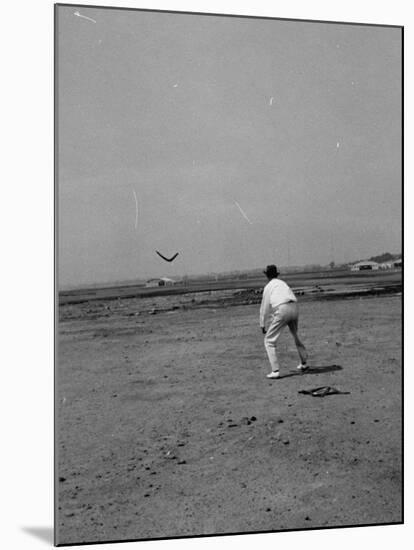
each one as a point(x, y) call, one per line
point(167, 259)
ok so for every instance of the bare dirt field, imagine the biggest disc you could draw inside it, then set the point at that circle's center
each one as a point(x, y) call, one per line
point(168, 427)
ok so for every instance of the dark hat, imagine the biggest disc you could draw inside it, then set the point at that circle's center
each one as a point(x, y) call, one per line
point(271, 271)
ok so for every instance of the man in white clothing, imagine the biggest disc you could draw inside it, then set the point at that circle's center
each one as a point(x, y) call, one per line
point(279, 308)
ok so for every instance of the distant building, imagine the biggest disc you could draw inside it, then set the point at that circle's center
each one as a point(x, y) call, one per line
point(386, 265)
point(163, 281)
point(398, 263)
point(365, 265)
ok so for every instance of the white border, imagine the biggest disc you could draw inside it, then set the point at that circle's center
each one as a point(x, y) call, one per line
point(27, 270)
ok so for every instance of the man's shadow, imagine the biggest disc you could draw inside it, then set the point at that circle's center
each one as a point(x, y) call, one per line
point(43, 533)
point(313, 370)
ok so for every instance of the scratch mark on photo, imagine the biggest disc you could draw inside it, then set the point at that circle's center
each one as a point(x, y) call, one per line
point(84, 16)
point(242, 212)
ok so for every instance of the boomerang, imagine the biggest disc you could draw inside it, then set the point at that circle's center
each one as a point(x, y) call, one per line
point(167, 259)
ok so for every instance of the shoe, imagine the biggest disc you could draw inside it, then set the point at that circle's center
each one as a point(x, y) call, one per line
point(273, 374)
point(302, 367)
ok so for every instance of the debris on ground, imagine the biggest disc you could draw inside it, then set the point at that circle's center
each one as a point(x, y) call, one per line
point(323, 391)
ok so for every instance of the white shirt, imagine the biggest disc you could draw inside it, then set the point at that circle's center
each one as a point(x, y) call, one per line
point(275, 293)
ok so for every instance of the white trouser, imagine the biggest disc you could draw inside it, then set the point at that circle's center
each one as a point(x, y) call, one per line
point(285, 314)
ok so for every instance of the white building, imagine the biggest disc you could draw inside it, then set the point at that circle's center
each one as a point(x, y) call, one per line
point(365, 265)
point(163, 281)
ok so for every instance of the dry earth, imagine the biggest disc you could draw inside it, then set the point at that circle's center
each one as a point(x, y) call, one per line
point(168, 427)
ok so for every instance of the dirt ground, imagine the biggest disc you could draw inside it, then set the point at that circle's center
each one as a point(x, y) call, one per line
point(168, 427)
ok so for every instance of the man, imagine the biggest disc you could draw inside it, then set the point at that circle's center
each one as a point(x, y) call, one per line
point(279, 308)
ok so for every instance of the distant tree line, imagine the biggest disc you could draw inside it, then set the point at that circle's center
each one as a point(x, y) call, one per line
point(386, 257)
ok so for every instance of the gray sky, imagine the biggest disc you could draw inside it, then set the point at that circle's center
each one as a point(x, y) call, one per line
point(297, 123)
